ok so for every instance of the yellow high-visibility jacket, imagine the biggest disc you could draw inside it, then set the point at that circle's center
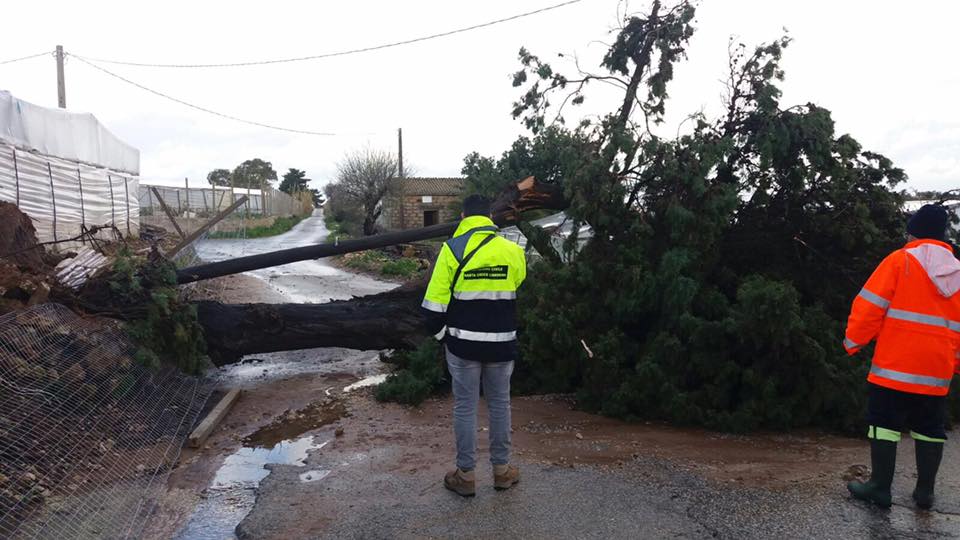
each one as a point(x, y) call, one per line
point(476, 315)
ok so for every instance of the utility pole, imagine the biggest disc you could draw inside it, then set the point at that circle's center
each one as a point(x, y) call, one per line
point(61, 86)
point(400, 152)
point(399, 202)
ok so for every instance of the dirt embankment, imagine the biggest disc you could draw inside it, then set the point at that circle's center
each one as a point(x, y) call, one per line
point(25, 268)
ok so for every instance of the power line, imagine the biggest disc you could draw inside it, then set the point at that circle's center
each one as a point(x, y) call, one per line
point(45, 53)
point(346, 52)
point(197, 107)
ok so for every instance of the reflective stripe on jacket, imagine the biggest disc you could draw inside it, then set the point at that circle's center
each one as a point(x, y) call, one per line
point(479, 319)
point(911, 306)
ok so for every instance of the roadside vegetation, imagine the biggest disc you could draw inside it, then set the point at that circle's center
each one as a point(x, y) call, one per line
point(421, 373)
point(355, 197)
point(337, 228)
point(725, 256)
point(280, 225)
point(378, 263)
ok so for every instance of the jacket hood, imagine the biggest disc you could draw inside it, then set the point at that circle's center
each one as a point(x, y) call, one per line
point(938, 262)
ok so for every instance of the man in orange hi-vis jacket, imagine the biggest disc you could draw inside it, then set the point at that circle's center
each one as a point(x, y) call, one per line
point(911, 306)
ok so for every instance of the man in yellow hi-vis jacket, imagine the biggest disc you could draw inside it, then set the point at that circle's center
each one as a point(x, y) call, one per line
point(471, 306)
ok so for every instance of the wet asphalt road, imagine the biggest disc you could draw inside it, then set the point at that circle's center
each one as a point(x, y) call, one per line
point(645, 499)
point(314, 281)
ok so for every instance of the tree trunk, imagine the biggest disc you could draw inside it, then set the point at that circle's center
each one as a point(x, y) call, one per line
point(390, 320)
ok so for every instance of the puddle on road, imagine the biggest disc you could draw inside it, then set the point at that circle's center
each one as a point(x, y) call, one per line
point(232, 492)
point(295, 423)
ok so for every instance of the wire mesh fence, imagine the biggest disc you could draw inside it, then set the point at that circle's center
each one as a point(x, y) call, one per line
point(87, 436)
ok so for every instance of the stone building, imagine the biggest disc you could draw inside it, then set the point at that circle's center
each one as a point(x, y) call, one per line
point(412, 203)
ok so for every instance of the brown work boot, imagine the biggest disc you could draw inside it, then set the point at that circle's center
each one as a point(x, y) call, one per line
point(461, 483)
point(505, 476)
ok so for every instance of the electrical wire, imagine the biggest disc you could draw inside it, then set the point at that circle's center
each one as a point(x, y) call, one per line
point(197, 107)
point(346, 52)
point(26, 57)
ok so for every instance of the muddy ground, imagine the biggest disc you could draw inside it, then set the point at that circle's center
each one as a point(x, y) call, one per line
point(301, 457)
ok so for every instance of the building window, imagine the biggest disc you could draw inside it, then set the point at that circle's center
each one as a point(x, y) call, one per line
point(431, 217)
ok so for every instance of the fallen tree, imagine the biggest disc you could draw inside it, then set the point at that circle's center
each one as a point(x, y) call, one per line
point(389, 320)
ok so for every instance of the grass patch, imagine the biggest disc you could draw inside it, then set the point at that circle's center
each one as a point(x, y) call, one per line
point(423, 374)
point(376, 262)
point(336, 228)
point(400, 268)
point(280, 225)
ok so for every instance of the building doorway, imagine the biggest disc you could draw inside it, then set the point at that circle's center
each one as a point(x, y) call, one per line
point(431, 217)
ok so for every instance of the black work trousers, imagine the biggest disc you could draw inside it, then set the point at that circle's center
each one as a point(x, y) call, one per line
point(903, 411)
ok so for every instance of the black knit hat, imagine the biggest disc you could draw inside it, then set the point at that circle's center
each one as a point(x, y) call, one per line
point(930, 221)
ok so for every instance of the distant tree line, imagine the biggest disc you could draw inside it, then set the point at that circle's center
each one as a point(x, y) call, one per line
point(258, 174)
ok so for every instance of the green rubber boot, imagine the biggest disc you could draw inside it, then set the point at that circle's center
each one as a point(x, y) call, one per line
point(929, 455)
point(883, 459)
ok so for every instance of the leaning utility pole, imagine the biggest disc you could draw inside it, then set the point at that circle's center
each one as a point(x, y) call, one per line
point(61, 86)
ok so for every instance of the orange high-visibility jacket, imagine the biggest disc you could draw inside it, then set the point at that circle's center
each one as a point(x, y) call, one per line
point(910, 304)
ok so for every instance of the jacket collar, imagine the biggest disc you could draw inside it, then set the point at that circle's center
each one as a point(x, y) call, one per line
point(921, 241)
point(472, 222)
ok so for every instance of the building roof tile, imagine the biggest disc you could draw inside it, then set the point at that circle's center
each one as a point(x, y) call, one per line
point(432, 186)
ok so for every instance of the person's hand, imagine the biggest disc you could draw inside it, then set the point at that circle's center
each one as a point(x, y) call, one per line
point(441, 334)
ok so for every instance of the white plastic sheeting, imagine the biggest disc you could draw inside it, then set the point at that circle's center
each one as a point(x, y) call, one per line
point(61, 197)
point(210, 200)
point(66, 135)
point(560, 227)
point(66, 171)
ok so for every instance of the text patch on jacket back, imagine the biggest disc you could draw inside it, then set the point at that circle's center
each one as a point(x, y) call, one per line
point(486, 272)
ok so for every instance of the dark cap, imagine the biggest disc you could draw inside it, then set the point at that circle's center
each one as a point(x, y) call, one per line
point(930, 221)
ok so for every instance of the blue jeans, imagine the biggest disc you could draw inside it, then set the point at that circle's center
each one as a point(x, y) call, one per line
point(466, 376)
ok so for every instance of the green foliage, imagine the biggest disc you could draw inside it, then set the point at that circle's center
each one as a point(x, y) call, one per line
point(337, 229)
point(294, 181)
point(400, 268)
point(280, 225)
point(376, 262)
point(253, 173)
point(423, 374)
point(715, 288)
point(167, 330)
point(545, 156)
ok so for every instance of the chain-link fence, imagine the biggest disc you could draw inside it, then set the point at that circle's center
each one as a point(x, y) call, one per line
point(87, 436)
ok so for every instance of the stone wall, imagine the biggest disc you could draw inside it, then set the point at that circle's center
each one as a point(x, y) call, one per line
point(412, 208)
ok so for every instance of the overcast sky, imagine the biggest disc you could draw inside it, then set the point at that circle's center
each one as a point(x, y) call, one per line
point(887, 70)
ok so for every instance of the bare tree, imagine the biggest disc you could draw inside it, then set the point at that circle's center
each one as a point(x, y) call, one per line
point(364, 177)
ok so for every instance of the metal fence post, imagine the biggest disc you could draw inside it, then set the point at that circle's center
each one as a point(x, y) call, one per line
point(126, 190)
point(113, 214)
point(83, 216)
point(53, 198)
point(16, 175)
